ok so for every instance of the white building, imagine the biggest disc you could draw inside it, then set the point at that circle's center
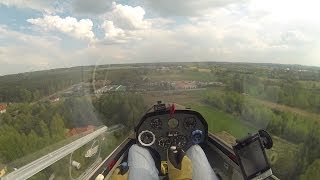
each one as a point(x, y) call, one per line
point(54, 99)
point(3, 108)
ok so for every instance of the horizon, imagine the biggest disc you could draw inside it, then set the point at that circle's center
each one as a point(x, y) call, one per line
point(149, 63)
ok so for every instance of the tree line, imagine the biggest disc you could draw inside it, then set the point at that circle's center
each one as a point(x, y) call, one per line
point(27, 128)
point(287, 125)
point(283, 91)
point(110, 109)
point(120, 108)
point(27, 87)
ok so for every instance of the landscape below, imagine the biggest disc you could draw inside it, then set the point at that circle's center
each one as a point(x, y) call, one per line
point(43, 110)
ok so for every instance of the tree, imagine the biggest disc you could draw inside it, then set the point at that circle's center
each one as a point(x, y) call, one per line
point(312, 145)
point(237, 85)
point(33, 141)
point(25, 95)
point(36, 95)
point(43, 130)
point(57, 128)
point(273, 92)
point(12, 144)
point(120, 108)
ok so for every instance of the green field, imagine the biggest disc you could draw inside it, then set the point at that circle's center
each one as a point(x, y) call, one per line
point(221, 121)
point(183, 76)
point(281, 156)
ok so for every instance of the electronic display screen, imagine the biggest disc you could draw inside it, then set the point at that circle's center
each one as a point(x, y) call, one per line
point(252, 158)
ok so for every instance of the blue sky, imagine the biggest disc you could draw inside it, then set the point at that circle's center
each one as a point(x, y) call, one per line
point(45, 34)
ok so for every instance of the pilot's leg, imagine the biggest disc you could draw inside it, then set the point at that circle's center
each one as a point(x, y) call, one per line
point(141, 164)
point(201, 168)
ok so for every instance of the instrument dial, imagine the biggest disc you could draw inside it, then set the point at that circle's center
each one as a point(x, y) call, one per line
point(156, 123)
point(173, 123)
point(146, 138)
point(164, 142)
point(179, 141)
point(196, 136)
point(190, 122)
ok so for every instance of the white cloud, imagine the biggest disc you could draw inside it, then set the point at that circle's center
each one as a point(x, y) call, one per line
point(294, 37)
point(124, 23)
point(229, 33)
point(113, 34)
point(127, 17)
point(287, 10)
point(81, 29)
point(185, 7)
point(111, 31)
point(15, 37)
point(40, 5)
point(225, 31)
point(91, 6)
point(23, 52)
point(225, 34)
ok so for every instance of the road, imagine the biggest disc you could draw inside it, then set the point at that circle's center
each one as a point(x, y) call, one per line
point(51, 95)
point(38, 165)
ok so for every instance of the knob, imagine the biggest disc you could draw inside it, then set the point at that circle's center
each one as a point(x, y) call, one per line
point(196, 136)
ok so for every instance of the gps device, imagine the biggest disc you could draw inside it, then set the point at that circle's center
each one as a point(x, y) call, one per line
point(252, 158)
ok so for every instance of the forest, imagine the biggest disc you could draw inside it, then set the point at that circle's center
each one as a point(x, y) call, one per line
point(27, 128)
point(32, 86)
point(282, 91)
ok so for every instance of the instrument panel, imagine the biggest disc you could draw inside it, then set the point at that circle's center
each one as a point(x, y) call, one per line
point(160, 131)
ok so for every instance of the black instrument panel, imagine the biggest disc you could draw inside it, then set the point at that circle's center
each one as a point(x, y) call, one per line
point(161, 130)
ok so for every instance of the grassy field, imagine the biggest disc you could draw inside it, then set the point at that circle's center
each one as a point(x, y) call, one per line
point(182, 98)
point(282, 157)
point(280, 107)
point(184, 75)
point(310, 84)
point(285, 108)
point(221, 121)
point(217, 120)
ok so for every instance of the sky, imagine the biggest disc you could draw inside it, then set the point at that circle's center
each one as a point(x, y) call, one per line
point(47, 34)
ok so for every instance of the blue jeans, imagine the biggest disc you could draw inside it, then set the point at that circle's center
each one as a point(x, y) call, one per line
point(142, 166)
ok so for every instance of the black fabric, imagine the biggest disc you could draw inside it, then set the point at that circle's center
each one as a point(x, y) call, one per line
point(176, 158)
point(157, 159)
